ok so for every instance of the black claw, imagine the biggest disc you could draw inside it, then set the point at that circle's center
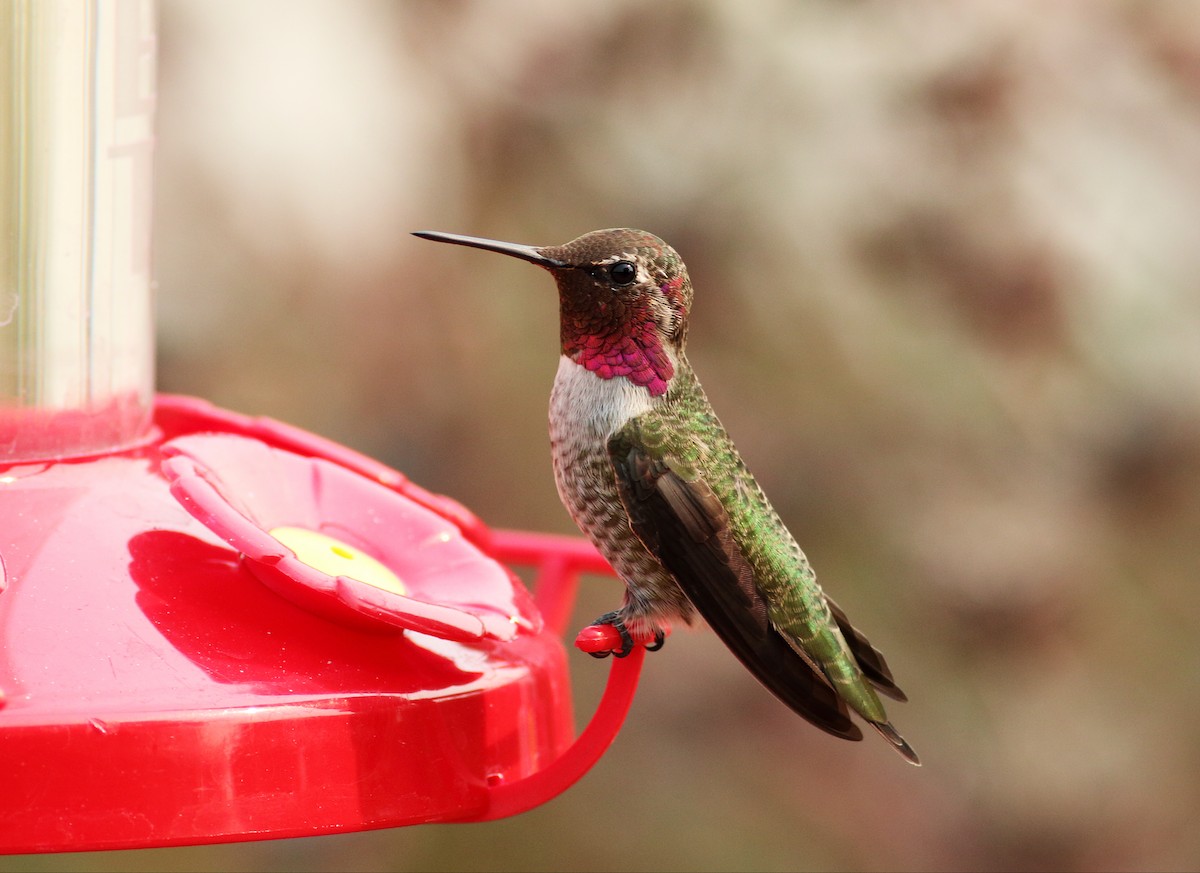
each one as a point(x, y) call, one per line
point(659, 639)
point(626, 641)
point(613, 619)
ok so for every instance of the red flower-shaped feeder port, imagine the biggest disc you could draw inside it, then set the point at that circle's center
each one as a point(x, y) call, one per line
point(339, 545)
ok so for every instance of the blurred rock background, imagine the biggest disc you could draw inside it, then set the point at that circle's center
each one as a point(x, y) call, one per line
point(946, 260)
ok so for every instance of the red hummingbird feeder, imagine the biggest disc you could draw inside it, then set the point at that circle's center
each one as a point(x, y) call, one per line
point(215, 627)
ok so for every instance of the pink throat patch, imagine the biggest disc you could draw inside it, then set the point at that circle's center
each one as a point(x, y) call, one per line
point(641, 359)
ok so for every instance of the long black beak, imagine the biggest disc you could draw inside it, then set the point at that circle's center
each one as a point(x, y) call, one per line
point(525, 253)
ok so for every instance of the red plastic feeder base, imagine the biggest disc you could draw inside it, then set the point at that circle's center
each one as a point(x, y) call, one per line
point(240, 630)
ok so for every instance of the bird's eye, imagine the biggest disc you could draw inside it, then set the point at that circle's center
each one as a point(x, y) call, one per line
point(622, 273)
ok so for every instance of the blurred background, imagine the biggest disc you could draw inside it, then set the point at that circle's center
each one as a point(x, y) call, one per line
point(946, 261)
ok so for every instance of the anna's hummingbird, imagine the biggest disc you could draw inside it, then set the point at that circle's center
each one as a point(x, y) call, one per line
point(649, 474)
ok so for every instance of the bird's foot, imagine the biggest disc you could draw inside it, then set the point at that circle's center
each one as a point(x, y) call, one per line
point(608, 635)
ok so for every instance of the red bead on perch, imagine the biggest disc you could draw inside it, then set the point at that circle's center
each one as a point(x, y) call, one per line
point(604, 639)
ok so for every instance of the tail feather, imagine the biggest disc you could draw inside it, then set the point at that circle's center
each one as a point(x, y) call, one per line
point(870, 659)
point(897, 742)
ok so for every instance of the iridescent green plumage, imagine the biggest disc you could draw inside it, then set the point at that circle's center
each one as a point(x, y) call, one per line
point(740, 566)
point(646, 470)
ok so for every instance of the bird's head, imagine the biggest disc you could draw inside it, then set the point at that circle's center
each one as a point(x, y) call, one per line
point(624, 298)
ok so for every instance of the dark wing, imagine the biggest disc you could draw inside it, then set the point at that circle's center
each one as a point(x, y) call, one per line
point(684, 524)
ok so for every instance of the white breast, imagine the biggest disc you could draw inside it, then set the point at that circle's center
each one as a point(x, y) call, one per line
point(584, 405)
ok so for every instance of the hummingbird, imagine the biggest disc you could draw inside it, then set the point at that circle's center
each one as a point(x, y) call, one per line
point(648, 473)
